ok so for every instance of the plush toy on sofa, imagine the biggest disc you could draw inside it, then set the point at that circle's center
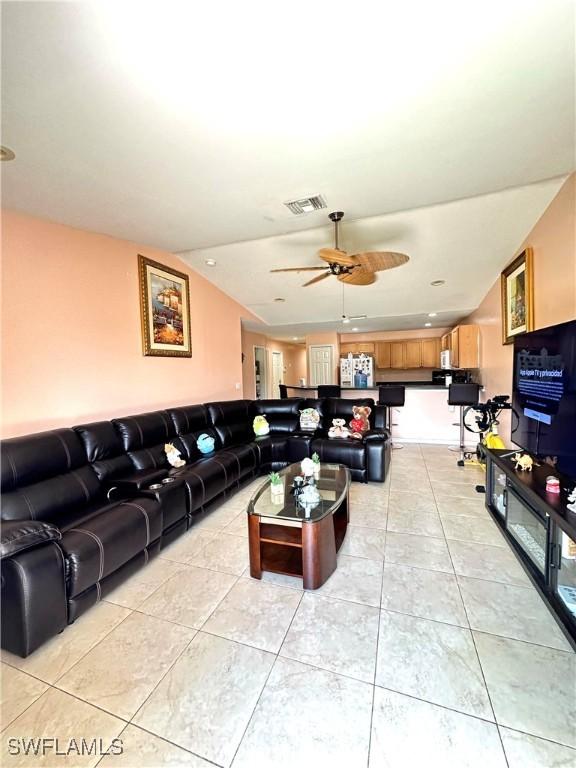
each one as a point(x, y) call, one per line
point(338, 429)
point(360, 424)
point(260, 426)
point(205, 443)
point(173, 455)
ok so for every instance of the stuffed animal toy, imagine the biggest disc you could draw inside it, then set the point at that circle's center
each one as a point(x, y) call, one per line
point(173, 455)
point(338, 429)
point(523, 462)
point(309, 419)
point(360, 424)
point(260, 426)
point(205, 443)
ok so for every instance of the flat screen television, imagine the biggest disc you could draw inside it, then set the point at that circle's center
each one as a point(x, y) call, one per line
point(544, 394)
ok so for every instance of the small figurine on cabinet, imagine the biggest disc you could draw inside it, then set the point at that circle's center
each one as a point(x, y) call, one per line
point(572, 500)
point(523, 462)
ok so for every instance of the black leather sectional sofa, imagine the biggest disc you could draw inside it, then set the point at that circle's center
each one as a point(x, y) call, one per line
point(78, 516)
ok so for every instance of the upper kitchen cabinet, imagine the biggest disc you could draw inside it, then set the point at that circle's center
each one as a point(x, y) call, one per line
point(413, 354)
point(397, 354)
point(465, 346)
point(357, 348)
point(382, 354)
point(430, 353)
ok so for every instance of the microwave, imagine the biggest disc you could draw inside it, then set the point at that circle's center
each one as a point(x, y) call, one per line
point(445, 362)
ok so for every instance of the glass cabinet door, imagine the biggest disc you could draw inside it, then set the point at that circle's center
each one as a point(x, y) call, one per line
point(566, 571)
point(497, 489)
point(529, 529)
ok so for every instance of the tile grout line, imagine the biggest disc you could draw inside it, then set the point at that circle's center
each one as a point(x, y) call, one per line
point(479, 660)
point(376, 664)
point(272, 666)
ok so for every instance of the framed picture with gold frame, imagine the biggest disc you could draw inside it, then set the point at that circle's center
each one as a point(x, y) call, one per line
point(517, 287)
point(165, 310)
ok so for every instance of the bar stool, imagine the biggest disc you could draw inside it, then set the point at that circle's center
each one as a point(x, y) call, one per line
point(393, 396)
point(462, 395)
point(328, 390)
point(283, 391)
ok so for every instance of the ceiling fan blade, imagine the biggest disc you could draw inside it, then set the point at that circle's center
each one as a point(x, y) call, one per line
point(334, 256)
point(316, 279)
point(358, 276)
point(377, 261)
point(299, 269)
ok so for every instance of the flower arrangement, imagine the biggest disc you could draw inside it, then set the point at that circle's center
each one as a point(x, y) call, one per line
point(275, 478)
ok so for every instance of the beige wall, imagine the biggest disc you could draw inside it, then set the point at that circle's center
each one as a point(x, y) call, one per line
point(553, 241)
point(72, 349)
point(293, 355)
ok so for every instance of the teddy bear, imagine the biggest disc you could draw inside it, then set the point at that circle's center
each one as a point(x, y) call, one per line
point(360, 424)
point(173, 455)
point(338, 429)
point(260, 426)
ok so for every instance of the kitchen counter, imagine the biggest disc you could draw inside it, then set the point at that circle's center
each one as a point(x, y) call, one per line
point(371, 390)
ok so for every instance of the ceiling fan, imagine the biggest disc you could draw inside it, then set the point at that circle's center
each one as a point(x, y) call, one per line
point(357, 269)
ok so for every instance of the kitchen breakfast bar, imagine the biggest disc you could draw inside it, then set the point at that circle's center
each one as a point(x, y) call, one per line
point(425, 417)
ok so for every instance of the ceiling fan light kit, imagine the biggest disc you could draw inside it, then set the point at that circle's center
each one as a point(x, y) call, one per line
point(356, 269)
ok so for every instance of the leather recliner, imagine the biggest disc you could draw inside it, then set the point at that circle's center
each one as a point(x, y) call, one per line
point(48, 484)
point(79, 515)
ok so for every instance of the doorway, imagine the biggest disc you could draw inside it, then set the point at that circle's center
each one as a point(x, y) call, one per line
point(260, 373)
point(321, 364)
point(277, 373)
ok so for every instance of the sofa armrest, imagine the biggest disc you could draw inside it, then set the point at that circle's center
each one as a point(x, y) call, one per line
point(19, 535)
point(376, 435)
point(129, 485)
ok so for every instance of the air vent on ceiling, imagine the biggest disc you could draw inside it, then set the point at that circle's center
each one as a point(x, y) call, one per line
point(306, 204)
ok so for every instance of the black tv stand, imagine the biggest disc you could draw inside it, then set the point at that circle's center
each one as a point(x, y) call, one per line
point(540, 529)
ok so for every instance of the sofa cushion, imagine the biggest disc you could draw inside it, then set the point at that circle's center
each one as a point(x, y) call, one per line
point(283, 416)
point(104, 450)
point(232, 420)
point(46, 475)
point(144, 437)
point(190, 422)
point(98, 545)
point(208, 478)
point(341, 408)
point(351, 453)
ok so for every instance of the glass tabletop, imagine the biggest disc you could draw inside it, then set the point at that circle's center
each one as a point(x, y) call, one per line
point(332, 484)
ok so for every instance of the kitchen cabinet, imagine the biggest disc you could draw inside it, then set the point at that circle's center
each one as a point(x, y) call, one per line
point(357, 348)
point(430, 353)
point(445, 342)
point(397, 354)
point(413, 354)
point(382, 354)
point(465, 346)
point(454, 335)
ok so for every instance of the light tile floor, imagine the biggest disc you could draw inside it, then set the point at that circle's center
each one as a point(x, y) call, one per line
point(427, 646)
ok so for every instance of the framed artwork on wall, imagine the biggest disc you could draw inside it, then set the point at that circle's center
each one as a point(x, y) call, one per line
point(165, 310)
point(517, 288)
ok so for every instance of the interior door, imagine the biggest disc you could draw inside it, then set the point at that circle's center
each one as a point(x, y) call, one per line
point(321, 365)
point(277, 373)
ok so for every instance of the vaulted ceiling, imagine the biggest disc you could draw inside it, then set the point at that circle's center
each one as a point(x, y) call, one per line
point(187, 126)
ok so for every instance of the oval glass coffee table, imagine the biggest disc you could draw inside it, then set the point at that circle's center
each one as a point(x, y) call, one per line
point(286, 537)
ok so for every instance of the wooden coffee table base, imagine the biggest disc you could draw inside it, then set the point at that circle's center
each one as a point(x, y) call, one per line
point(308, 551)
